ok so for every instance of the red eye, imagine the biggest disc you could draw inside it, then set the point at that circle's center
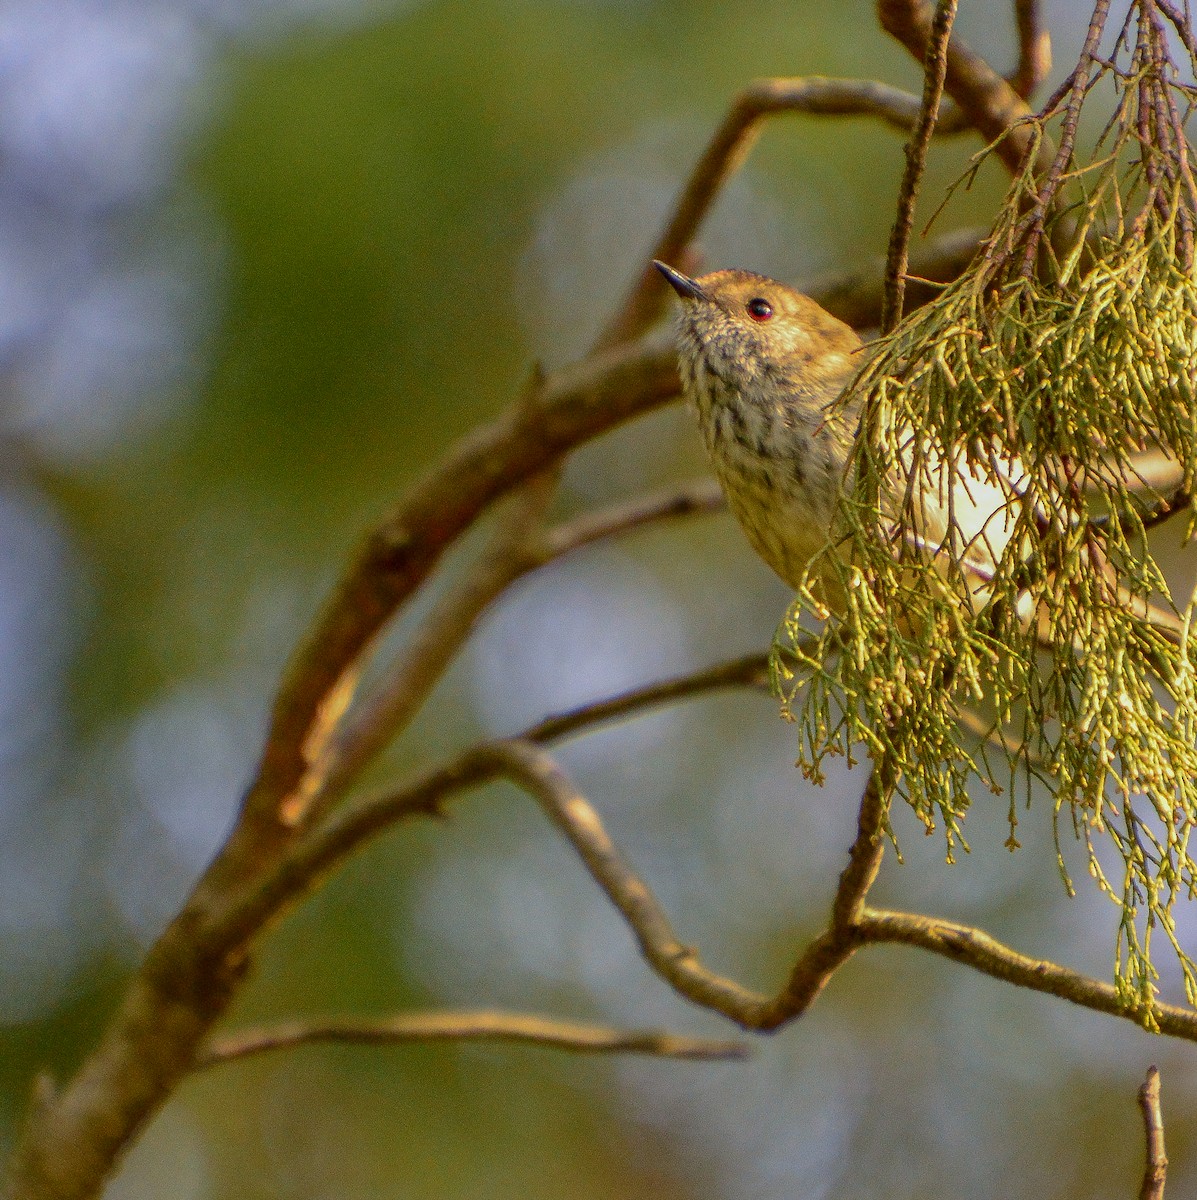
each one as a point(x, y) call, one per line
point(760, 309)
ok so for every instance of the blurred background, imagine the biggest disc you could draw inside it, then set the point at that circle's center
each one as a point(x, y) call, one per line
point(260, 262)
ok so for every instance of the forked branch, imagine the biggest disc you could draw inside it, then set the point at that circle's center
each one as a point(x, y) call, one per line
point(991, 105)
point(852, 924)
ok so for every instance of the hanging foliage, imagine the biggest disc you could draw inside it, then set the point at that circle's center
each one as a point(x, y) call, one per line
point(992, 548)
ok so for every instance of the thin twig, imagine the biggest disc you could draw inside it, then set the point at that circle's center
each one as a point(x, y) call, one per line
point(1055, 166)
point(832, 948)
point(853, 925)
point(864, 859)
point(578, 1036)
point(1180, 22)
point(751, 671)
point(676, 963)
point(327, 845)
point(518, 547)
point(934, 69)
point(698, 498)
point(535, 771)
point(990, 103)
point(991, 732)
point(1155, 1172)
point(437, 641)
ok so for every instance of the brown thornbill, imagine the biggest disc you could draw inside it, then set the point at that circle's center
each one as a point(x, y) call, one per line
point(763, 365)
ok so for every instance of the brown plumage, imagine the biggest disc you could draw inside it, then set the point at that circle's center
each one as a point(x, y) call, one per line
point(763, 365)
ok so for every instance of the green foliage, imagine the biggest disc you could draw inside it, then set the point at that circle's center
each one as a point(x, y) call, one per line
point(992, 551)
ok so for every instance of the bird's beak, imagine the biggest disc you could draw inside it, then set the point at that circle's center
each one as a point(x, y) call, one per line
point(685, 287)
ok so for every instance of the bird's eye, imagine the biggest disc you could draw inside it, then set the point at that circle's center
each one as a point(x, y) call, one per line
point(760, 309)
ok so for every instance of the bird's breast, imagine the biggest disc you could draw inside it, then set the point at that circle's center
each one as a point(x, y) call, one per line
point(777, 468)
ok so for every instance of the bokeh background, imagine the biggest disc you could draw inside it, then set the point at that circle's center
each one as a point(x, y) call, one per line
point(260, 262)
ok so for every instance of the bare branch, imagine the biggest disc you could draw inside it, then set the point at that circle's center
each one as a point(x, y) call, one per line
point(751, 671)
point(1053, 165)
point(190, 974)
point(975, 948)
point(326, 845)
point(578, 1036)
point(692, 499)
point(517, 548)
point(991, 105)
point(537, 773)
point(864, 859)
point(832, 948)
point(676, 963)
point(1155, 1173)
point(435, 643)
point(852, 924)
point(934, 70)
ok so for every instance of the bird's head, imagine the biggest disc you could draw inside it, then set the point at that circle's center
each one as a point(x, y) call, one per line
point(751, 331)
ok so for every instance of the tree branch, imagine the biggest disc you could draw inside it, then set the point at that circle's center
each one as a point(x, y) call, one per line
point(724, 155)
point(975, 948)
point(433, 646)
point(519, 546)
point(934, 69)
point(578, 1036)
point(1155, 1173)
point(533, 770)
point(991, 105)
point(852, 923)
point(751, 671)
point(325, 846)
point(679, 964)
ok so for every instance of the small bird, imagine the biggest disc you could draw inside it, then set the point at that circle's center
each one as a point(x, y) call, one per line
point(763, 366)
